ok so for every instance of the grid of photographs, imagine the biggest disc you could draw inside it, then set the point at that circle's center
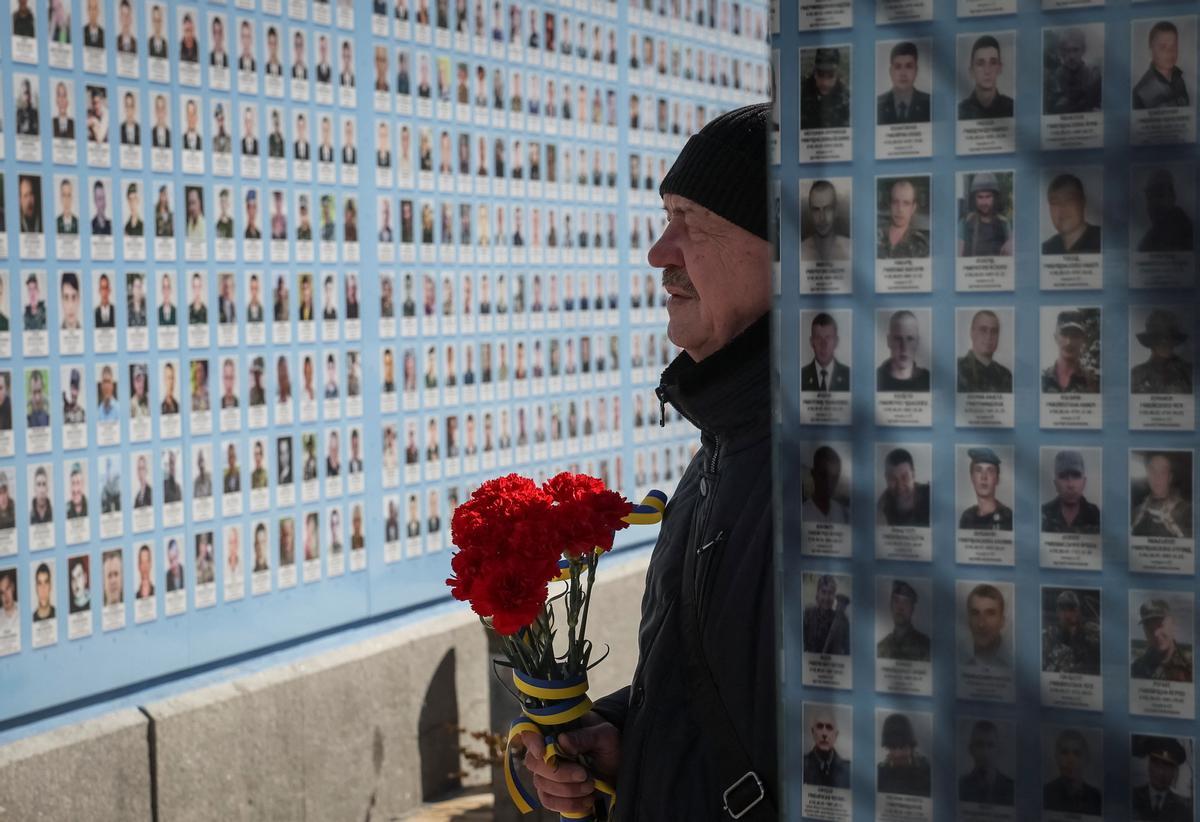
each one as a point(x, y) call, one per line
point(282, 282)
point(988, 376)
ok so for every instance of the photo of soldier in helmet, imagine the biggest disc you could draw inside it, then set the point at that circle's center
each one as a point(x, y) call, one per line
point(903, 769)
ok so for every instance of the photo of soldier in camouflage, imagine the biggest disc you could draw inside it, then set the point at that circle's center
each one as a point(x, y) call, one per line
point(1071, 631)
point(825, 89)
point(1158, 653)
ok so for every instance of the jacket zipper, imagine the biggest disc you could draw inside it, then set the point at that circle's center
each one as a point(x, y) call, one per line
point(702, 562)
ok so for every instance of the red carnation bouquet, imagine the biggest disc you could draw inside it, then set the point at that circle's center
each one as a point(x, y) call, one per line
point(515, 539)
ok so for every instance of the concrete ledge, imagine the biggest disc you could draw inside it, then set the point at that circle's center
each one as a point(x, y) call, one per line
point(362, 731)
point(98, 770)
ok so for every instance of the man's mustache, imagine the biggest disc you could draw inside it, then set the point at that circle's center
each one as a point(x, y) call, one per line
point(677, 278)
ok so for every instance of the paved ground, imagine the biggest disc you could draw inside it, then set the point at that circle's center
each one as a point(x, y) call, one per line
point(470, 807)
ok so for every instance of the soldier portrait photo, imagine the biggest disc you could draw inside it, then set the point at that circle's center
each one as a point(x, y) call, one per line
point(1073, 216)
point(981, 76)
point(985, 214)
point(1161, 367)
point(902, 767)
point(824, 372)
point(1070, 511)
point(1163, 84)
point(1160, 493)
point(1071, 631)
point(984, 468)
point(986, 643)
point(905, 641)
point(827, 620)
point(902, 206)
point(826, 490)
point(902, 336)
point(1163, 778)
point(985, 782)
point(978, 370)
point(825, 87)
point(905, 500)
point(825, 221)
point(902, 101)
point(1164, 224)
point(1160, 650)
point(1071, 71)
point(1072, 336)
point(824, 764)
point(1074, 770)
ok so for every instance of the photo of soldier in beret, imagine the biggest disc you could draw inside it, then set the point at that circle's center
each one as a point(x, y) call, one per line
point(988, 513)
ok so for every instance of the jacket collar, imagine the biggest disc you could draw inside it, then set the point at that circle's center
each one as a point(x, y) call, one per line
point(727, 392)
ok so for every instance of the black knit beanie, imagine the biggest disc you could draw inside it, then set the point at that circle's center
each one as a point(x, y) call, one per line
point(724, 168)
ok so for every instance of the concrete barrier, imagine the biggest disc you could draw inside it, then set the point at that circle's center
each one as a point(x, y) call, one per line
point(366, 731)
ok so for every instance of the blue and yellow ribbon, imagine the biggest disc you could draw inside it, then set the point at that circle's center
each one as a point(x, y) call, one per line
point(566, 700)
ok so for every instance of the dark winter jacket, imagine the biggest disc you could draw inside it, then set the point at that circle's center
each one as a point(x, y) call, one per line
point(722, 508)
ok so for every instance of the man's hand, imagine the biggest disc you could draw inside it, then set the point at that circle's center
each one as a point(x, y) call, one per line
point(568, 787)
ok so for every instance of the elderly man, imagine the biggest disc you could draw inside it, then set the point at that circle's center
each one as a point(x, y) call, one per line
point(823, 765)
point(711, 728)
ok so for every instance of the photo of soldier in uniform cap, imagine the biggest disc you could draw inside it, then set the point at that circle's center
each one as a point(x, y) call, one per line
point(985, 209)
point(1161, 496)
point(825, 89)
point(903, 102)
point(1160, 654)
point(978, 371)
point(1165, 371)
point(825, 372)
point(903, 769)
point(1070, 512)
point(1071, 631)
point(902, 204)
point(825, 222)
point(1071, 761)
point(823, 764)
point(826, 622)
point(985, 783)
point(1075, 369)
point(988, 513)
point(1071, 83)
point(904, 641)
point(1166, 794)
point(1170, 226)
point(1163, 85)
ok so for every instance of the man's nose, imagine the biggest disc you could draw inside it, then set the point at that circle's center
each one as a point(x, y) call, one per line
point(665, 251)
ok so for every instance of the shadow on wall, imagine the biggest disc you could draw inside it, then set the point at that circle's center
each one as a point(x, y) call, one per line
point(437, 735)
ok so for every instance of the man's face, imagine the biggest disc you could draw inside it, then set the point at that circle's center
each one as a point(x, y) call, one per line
point(106, 386)
point(824, 341)
point(1160, 634)
point(67, 194)
point(144, 566)
point(982, 748)
point(112, 580)
point(1159, 476)
point(7, 593)
point(1070, 52)
point(1162, 774)
point(1164, 51)
point(193, 204)
point(60, 99)
point(100, 199)
point(985, 618)
point(1070, 344)
point(79, 582)
point(247, 38)
point(825, 596)
point(43, 589)
point(1070, 756)
point(903, 204)
point(1068, 618)
point(903, 72)
point(985, 68)
point(901, 485)
point(717, 276)
point(984, 478)
point(826, 79)
point(985, 335)
point(76, 488)
point(903, 340)
point(985, 202)
point(41, 487)
point(822, 208)
point(70, 305)
point(169, 381)
point(28, 201)
point(902, 611)
point(1070, 486)
point(141, 470)
point(228, 376)
point(1066, 210)
point(824, 733)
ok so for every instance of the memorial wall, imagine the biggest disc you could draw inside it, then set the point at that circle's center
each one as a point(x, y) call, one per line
point(988, 319)
point(281, 282)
